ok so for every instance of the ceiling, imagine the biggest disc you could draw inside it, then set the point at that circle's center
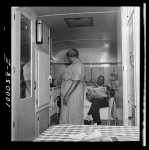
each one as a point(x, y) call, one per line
point(40, 11)
point(104, 24)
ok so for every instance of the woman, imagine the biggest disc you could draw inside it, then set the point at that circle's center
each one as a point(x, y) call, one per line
point(72, 90)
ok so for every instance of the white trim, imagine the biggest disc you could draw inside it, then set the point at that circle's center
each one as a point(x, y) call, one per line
point(136, 28)
point(137, 60)
point(124, 64)
point(13, 77)
point(43, 107)
point(78, 13)
point(13, 8)
point(144, 97)
point(82, 40)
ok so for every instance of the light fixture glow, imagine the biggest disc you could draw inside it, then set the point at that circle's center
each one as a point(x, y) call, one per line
point(39, 32)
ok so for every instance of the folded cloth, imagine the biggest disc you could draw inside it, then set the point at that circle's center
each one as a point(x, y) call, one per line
point(79, 136)
point(112, 106)
point(95, 134)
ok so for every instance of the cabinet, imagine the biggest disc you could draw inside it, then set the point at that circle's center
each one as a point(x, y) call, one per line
point(42, 121)
point(42, 94)
point(53, 109)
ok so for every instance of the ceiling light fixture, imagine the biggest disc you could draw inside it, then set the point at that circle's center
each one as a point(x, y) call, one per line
point(79, 22)
point(39, 32)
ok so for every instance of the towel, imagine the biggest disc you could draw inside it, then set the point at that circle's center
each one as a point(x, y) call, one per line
point(112, 106)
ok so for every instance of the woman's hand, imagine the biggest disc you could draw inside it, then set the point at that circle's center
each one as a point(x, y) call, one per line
point(66, 99)
point(70, 91)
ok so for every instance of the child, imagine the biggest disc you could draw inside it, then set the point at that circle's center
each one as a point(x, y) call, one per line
point(99, 100)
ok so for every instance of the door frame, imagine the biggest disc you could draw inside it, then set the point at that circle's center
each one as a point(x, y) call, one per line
point(13, 76)
point(124, 19)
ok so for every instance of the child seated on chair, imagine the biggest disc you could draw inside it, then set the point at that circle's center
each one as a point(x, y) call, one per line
point(98, 101)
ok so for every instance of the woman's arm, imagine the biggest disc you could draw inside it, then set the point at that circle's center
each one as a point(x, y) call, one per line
point(76, 76)
point(70, 91)
point(59, 81)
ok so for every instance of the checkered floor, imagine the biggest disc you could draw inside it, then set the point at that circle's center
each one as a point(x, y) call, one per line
point(69, 133)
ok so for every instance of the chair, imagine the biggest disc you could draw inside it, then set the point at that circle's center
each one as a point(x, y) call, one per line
point(109, 113)
point(106, 113)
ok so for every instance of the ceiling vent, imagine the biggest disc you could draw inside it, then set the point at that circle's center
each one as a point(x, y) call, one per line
point(79, 22)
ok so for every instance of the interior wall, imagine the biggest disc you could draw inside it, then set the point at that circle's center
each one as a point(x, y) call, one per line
point(87, 56)
point(90, 55)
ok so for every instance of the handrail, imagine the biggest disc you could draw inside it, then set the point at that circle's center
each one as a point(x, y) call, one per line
point(134, 106)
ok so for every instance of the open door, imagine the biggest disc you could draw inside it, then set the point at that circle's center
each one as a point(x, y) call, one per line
point(23, 76)
point(131, 64)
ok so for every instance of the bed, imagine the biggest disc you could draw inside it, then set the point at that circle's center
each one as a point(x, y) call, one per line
point(88, 133)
